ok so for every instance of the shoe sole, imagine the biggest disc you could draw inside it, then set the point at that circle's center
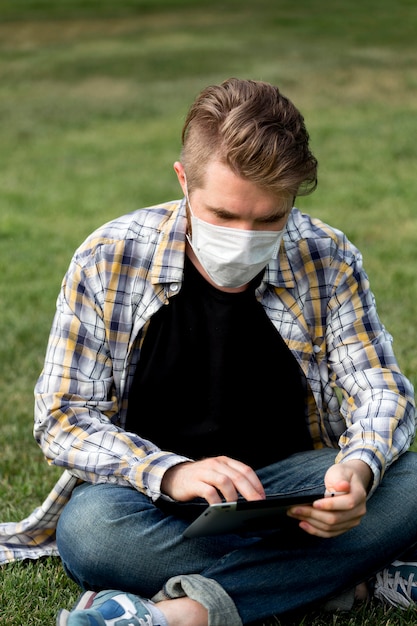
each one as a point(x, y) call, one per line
point(84, 602)
point(62, 617)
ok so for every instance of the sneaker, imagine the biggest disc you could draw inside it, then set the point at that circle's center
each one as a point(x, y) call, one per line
point(397, 584)
point(106, 608)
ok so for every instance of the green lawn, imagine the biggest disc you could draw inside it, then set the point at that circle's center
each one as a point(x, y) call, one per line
point(93, 95)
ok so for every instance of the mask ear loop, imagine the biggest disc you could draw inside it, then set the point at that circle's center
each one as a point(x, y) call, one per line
point(187, 197)
point(190, 213)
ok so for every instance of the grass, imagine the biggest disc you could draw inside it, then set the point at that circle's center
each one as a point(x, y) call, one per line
point(92, 99)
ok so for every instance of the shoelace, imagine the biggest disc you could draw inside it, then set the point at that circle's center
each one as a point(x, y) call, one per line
point(395, 589)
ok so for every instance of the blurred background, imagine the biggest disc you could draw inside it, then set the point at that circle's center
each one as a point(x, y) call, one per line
point(93, 95)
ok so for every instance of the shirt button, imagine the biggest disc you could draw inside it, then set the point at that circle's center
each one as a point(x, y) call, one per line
point(174, 287)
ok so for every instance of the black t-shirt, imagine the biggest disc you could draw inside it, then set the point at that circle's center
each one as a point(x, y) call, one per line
point(215, 377)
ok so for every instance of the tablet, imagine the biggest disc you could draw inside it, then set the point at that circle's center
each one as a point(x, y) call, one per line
point(244, 515)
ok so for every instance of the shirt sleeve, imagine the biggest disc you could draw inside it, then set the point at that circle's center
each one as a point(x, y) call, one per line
point(77, 401)
point(378, 400)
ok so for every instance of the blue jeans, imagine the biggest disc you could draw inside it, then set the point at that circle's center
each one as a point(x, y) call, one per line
point(113, 537)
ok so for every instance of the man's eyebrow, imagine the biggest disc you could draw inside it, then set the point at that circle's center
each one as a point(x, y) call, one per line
point(221, 212)
point(272, 217)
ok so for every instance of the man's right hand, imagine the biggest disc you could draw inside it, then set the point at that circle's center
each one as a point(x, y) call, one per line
point(212, 479)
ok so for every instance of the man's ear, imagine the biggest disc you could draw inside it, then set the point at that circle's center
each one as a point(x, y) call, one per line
point(179, 170)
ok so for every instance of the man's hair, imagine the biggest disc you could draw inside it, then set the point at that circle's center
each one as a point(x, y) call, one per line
point(255, 130)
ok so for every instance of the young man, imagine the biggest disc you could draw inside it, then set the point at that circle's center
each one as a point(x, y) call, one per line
point(220, 346)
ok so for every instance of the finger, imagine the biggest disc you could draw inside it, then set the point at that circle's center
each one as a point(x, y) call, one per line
point(318, 532)
point(337, 518)
point(218, 476)
point(337, 502)
point(230, 477)
point(328, 527)
point(328, 524)
point(230, 484)
point(246, 480)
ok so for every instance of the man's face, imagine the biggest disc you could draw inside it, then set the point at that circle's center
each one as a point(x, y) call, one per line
point(227, 200)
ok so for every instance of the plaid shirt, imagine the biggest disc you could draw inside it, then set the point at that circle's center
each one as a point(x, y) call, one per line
point(317, 296)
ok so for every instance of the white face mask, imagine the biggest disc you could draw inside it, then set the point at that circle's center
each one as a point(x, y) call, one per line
point(232, 256)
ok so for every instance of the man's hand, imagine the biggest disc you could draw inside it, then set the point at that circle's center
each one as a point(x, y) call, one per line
point(212, 479)
point(332, 516)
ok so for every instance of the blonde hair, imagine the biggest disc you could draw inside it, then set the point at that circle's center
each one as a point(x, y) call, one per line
point(255, 130)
